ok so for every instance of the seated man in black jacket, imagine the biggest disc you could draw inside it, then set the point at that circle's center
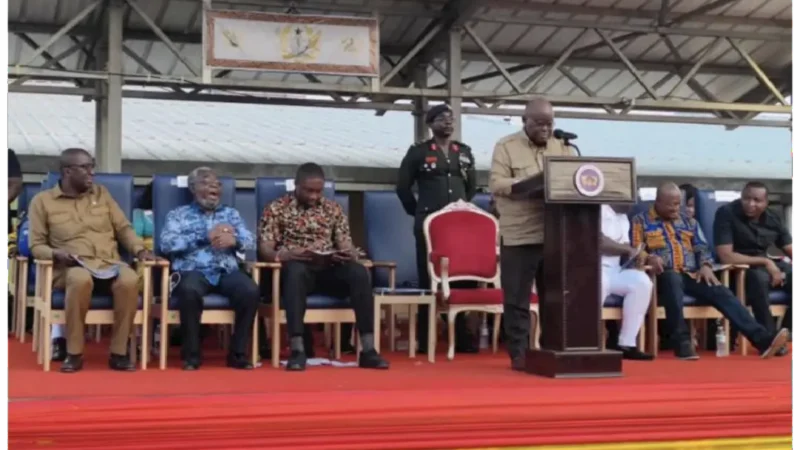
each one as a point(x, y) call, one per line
point(743, 232)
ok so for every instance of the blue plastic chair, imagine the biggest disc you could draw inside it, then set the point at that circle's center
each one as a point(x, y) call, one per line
point(50, 306)
point(24, 279)
point(483, 201)
point(168, 194)
point(391, 246)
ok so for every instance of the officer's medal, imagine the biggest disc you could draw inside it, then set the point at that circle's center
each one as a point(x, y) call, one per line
point(464, 163)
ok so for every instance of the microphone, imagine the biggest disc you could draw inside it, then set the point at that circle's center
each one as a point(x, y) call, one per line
point(566, 136)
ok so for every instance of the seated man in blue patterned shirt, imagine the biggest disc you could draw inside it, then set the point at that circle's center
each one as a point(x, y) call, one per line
point(679, 255)
point(201, 240)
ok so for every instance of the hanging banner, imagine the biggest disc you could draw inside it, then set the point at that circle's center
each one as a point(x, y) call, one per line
point(245, 40)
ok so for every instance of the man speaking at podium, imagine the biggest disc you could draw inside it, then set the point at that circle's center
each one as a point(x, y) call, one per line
point(517, 157)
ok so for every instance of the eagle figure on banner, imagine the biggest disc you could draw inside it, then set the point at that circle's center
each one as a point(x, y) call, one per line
point(299, 42)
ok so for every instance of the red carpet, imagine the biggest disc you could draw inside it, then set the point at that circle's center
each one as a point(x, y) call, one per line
point(474, 401)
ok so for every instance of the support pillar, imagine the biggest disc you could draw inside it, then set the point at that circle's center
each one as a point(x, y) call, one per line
point(420, 104)
point(454, 78)
point(100, 121)
point(108, 121)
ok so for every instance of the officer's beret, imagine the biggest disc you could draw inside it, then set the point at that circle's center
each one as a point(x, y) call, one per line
point(435, 111)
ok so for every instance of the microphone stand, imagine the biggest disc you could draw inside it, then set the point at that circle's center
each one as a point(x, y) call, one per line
point(567, 142)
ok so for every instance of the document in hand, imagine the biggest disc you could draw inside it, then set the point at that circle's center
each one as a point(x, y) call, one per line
point(631, 262)
point(105, 274)
point(320, 258)
point(528, 187)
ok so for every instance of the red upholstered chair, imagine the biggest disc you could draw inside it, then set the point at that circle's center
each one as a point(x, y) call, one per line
point(462, 242)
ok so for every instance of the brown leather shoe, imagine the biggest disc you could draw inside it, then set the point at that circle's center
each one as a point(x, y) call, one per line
point(776, 344)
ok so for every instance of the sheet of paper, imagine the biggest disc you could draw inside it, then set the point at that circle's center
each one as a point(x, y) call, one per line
point(105, 274)
point(289, 185)
point(182, 181)
point(647, 194)
point(316, 362)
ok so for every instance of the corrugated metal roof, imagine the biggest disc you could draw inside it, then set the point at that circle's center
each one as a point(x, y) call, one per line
point(518, 31)
point(192, 131)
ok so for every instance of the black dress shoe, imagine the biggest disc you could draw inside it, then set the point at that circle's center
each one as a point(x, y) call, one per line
point(191, 365)
point(59, 350)
point(370, 359)
point(635, 354)
point(239, 362)
point(348, 349)
point(518, 363)
point(72, 364)
point(467, 347)
point(120, 363)
point(296, 362)
point(685, 351)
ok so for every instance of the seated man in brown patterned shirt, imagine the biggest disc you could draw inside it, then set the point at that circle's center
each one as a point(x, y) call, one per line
point(291, 228)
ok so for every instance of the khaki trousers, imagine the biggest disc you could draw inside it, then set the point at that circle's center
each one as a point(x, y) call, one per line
point(79, 286)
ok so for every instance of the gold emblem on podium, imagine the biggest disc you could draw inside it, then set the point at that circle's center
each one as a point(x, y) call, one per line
point(589, 180)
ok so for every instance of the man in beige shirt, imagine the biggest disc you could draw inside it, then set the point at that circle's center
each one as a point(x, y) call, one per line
point(517, 157)
point(78, 221)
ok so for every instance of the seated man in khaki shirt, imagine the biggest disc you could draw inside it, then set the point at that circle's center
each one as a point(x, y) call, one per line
point(79, 221)
point(517, 157)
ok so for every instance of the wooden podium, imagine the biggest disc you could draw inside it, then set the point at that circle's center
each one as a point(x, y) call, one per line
point(569, 300)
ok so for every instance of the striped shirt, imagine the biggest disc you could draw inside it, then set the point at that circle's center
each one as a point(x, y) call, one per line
point(680, 243)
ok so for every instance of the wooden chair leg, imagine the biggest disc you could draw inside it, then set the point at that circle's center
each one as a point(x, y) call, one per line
point(432, 332)
point(451, 334)
point(337, 341)
point(328, 335)
point(726, 328)
point(743, 344)
point(605, 335)
point(496, 332)
point(254, 349)
point(162, 346)
point(376, 325)
point(413, 310)
point(36, 324)
point(37, 343)
point(392, 329)
point(275, 330)
point(641, 337)
point(45, 343)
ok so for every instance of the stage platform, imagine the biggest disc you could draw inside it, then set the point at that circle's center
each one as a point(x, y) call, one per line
point(472, 402)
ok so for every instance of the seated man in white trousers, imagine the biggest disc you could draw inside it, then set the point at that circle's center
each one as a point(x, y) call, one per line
point(632, 284)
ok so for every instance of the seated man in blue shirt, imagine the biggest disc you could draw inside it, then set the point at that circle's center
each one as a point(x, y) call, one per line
point(201, 240)
point(679, 255)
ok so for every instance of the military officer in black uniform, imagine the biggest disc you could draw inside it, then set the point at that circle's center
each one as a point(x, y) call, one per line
point(444, 171)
